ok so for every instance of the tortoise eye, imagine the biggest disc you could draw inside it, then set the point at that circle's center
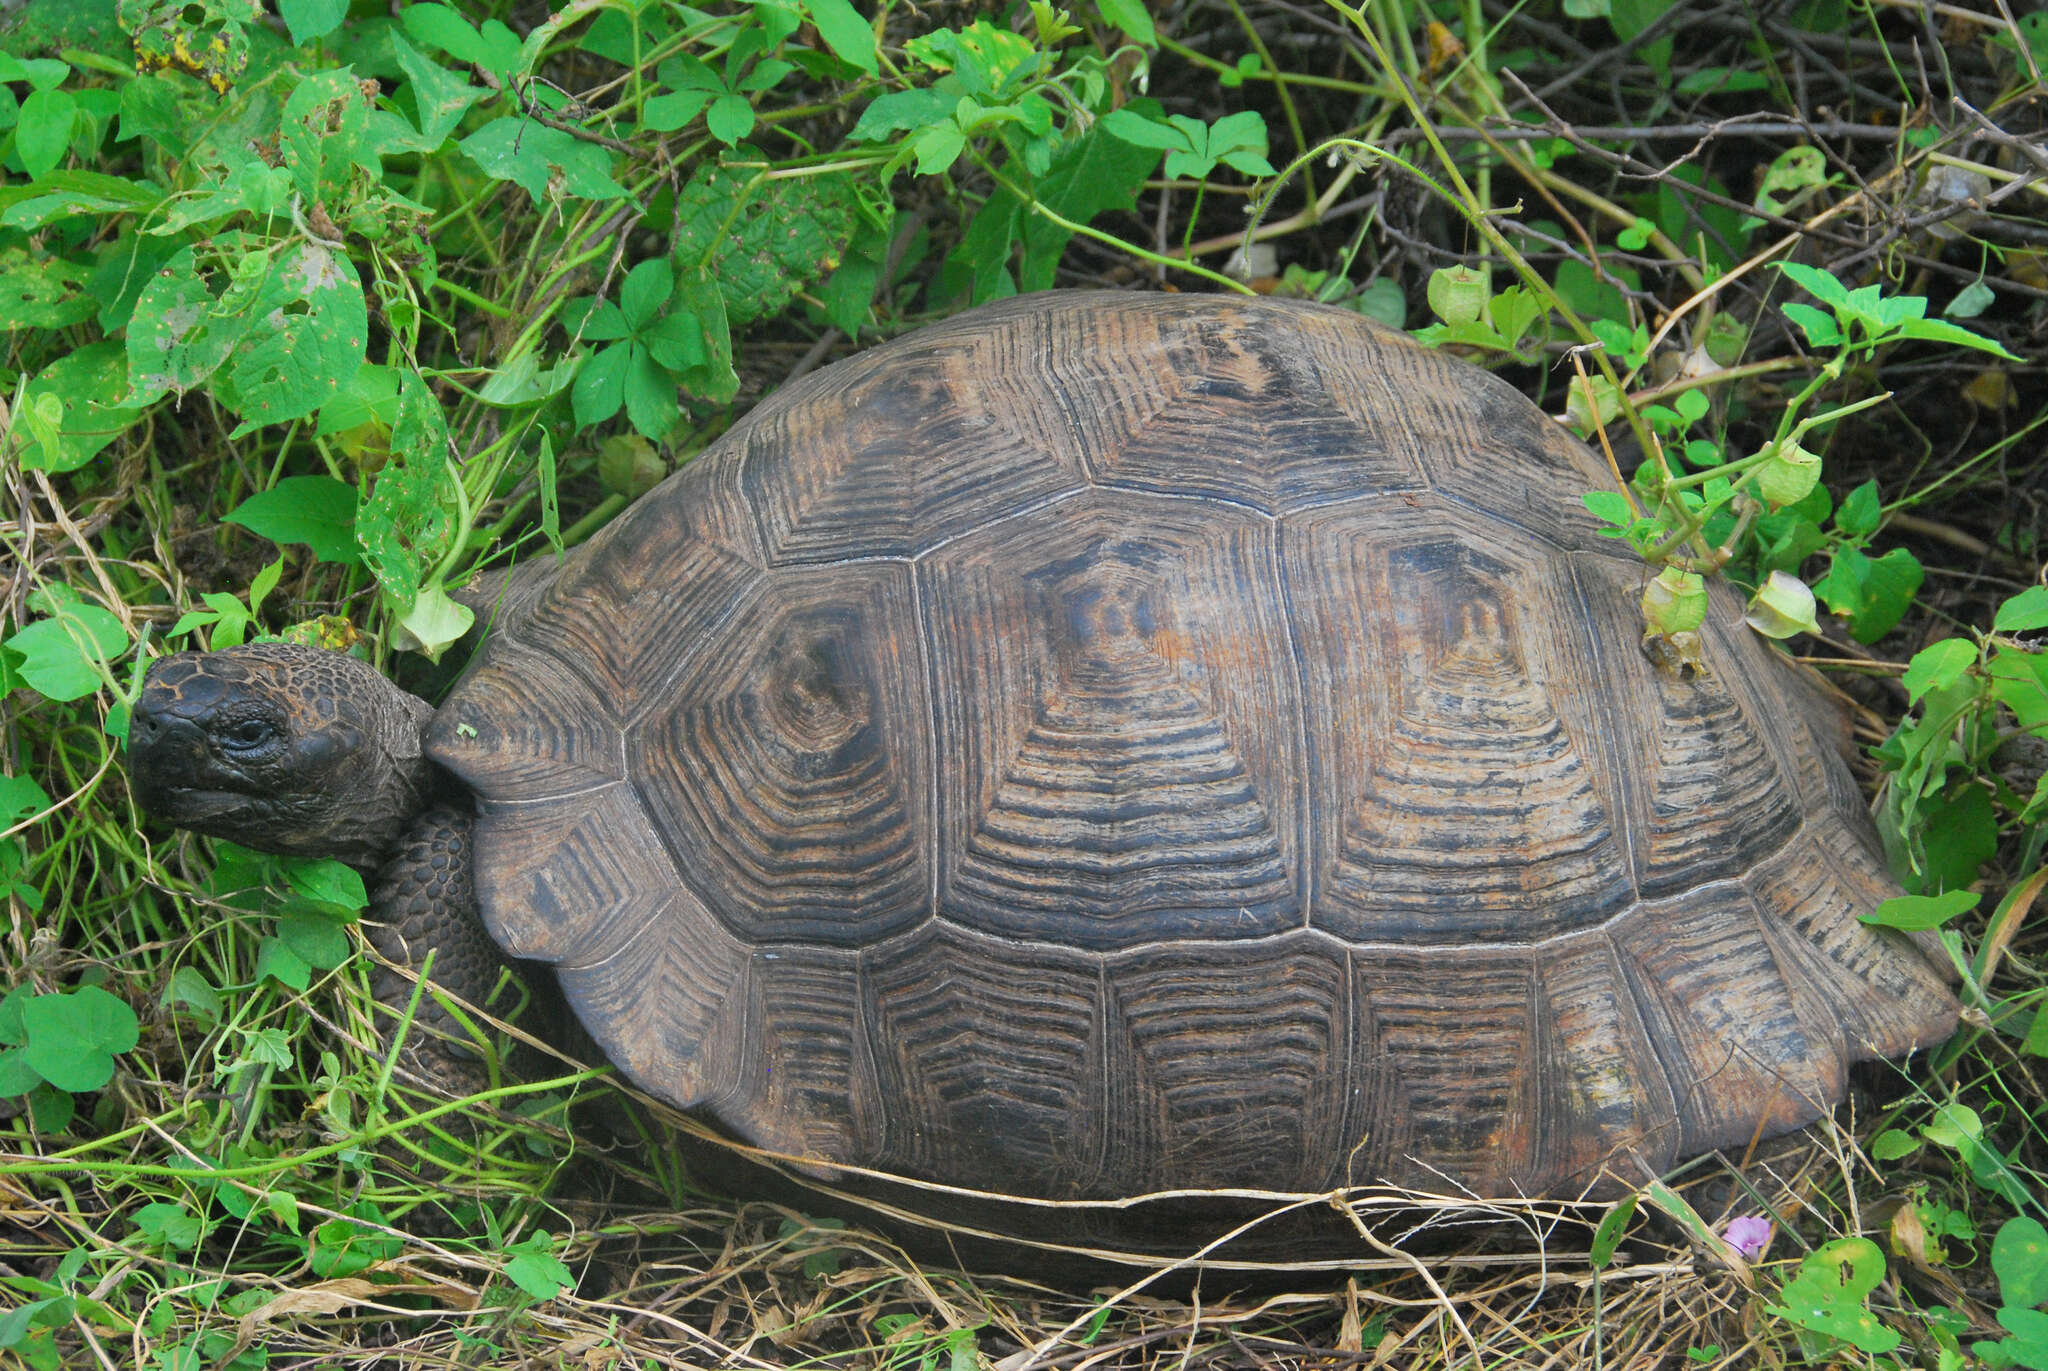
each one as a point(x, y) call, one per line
point(250, 734)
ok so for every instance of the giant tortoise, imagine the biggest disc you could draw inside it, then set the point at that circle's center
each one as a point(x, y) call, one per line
point(1112, 743)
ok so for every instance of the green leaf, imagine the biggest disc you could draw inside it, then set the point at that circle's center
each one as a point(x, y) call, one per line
point(169, 1225)
point(672, 110)
point(65, 656)
point(2019, 1258)
point(1092, 175)
point(1609, 507)
point(1889, 584)
point(327, 132)
point(187, 322)
point(1938, 666)
point(310, 19)
point(528, 153)
point(440, 97)
point(902, 111)
point(190, 988)
point(1821, 285)
point(43, 130)
point(650, 394)
point(73, 1039)
point(278, 962)
point(20, 797)
point(315, 939)
point(938, 147)
point(329, 882)
point(600, 387)
point(1819, 326)
point(318, 511)
point(645, 290)
point(1861, 511)
point(2023, 612)
point(1607, 1236)
point(86, 389)
point(1828, 1294)
point(1912, 912)
point(17, 1078)
point(42, 292)
point(309, 328)
point(759, 240)
point(406, 525)
point(1131, 17)
point(1891, 1145)
point(1960, 833)
point(435, 622)
point(1941, 331)
point(535, 1269)
point(1136, 129)
point(730, 119)
point(438, 26)
point(851, 38)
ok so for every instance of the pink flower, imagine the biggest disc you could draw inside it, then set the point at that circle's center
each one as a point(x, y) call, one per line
point(1749, 1235)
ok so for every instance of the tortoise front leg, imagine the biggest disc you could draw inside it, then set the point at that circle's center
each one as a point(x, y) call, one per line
point(424, 905)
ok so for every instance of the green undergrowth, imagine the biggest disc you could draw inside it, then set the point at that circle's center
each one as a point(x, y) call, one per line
point(314, 311)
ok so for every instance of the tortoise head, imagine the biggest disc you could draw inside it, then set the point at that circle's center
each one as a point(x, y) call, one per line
point(283, 748)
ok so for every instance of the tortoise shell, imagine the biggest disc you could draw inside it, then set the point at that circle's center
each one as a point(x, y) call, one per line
point(1108, 743)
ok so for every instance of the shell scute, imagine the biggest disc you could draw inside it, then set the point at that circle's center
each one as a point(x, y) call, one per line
point(1748, 1050)
point(1228, 1065)
point(638, 601)
point(790, 768)
point(1711, 793)
point(890, 460)
point(568, 878)
point(1217, 406)
point(1117, 725)
point(1444, 1062)
point(1463, 792)
point(680, 959)
point(992, 1069)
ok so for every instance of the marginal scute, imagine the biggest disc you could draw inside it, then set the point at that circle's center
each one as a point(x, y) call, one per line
point(1461, 791)
point(1607, 1106)
point(568, 879)
point(1888, 996)
point(1709, 794)
point(992, 1069)
point(807, 1087)
point(1117, 723)
point(790, 769)
point(1749, 1052)
point(528, 728)
point(1211, 404)
point(668, 1004)
point(1444, 1050)
point(1268, 1112)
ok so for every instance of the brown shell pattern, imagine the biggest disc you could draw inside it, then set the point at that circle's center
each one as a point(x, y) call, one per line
point(1112, 743)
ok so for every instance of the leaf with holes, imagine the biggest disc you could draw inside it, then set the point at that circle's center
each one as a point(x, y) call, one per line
point(1828, 1294)
point(311, 325)
point(404, 528)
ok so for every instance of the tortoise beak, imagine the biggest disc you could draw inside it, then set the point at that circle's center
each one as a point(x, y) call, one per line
point(164, 749)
